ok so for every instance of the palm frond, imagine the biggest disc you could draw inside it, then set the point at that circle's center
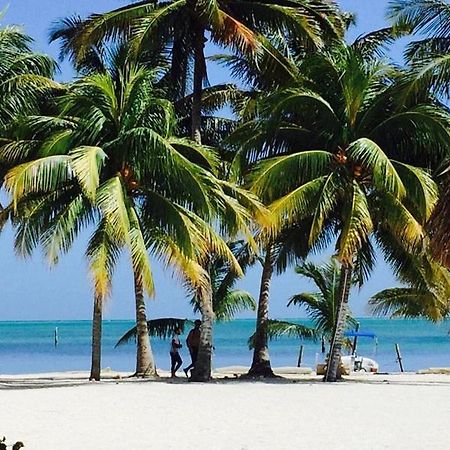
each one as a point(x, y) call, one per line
point(162, 328)
point(279, 328)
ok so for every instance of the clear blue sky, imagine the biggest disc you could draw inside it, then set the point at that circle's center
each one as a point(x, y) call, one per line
point(31, 291)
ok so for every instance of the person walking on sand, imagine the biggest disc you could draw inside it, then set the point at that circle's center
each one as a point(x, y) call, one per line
point(193, 342)
point(175, 358)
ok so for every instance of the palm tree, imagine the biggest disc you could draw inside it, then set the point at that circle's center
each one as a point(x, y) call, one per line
point(277, 254)
point(25, 79)
point(322, 306)
point(183, 27)
point(246, 105)
point(226, 301)
point(429, 60)
point(112, 158)
point(362, 184)
point(425, 292)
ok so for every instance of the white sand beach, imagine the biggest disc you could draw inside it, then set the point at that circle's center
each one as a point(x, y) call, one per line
point(63, 411)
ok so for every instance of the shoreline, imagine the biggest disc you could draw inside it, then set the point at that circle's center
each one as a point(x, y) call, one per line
point(286, 375)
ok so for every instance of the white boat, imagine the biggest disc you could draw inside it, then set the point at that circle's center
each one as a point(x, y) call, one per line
point(354, 363)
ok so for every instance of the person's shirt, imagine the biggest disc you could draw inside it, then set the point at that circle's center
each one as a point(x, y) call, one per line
point(193, 339)
point(175, 344)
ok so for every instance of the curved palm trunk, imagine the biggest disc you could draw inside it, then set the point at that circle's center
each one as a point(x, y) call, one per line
point(202, 369)
point(145, 364)
point(334, 357)
point(96, 339)
point(261, 360)
point(199, 73)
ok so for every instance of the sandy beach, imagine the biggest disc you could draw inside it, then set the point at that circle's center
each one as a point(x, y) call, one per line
point(63, 411)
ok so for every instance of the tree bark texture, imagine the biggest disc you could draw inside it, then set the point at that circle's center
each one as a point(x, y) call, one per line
point(199, 74)
point(334, 357)
point(261, 366)
point(202, 368)
point(145, 363)
point(96, 353)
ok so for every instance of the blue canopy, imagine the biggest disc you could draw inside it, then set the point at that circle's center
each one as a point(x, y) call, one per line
point(360, 334)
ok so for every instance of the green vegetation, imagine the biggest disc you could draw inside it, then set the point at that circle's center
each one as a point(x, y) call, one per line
point(329, 146)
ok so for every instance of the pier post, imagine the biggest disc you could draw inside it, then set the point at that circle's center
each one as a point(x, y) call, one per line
point(300, 356)
point(399, 357)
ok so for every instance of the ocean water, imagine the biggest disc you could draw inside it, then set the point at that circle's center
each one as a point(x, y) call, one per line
point(28, 347)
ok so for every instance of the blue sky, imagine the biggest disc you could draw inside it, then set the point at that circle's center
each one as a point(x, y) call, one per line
point(30, 290)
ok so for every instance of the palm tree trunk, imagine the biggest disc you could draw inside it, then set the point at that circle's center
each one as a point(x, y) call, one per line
point(199, 74)
point(202, 369)
point(334, 357)
point(261, 360)
point(145, 364)
point(96, 339)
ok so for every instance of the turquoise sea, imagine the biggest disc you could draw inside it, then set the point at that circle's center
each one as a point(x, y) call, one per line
point(28, 347)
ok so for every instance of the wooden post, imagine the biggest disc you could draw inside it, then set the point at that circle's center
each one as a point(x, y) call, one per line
point(355, 339)
point(399, 357)
point(56, 336)
point(300, 356)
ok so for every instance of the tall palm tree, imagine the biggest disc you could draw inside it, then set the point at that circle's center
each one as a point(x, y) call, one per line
point(182, 27)
point(429, 59)
point(113, 155)
point(322, 306)
point(277, 253)
point(362, 184)
point(251, 146)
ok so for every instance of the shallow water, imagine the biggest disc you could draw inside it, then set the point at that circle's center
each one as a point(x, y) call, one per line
point(28, 347)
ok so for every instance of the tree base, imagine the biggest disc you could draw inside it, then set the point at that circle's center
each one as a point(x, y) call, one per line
point(332, 379)
point(145, 375)
point(200, 378)
point(260, 372)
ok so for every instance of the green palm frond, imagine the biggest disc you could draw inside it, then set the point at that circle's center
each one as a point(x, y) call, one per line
point(358, 225)
point(102, 253)
point(86, 163)
point(64, 227)
point(422, 16)
point(372, 158)
point(374, 44)
point(162, 328)
point(322, 306)
point(410, 303)
point(273, 178)
point(233, 303)
point(111, 200)
point(279, 328)
point(421, 190)
point(138, 250)
point(41, 175)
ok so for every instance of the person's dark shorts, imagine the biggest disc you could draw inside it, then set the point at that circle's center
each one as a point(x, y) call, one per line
point(194, 354)
point(175, 358)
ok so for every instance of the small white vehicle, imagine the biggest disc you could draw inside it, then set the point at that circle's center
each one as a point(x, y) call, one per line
point(354, 363)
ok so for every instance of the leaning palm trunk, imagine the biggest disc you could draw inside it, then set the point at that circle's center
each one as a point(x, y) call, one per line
point(332, 373)
point(202, 369)
point(261, 360)
point(199, 72)
point(145, 365)
point(96, 339)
